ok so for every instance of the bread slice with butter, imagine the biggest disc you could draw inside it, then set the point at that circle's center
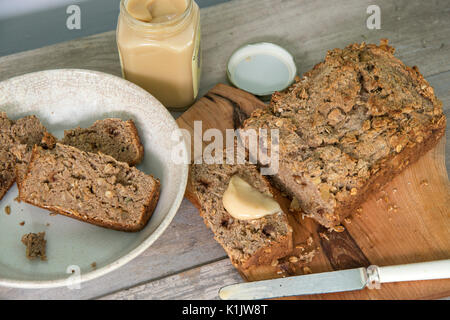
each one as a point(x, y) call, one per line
point(237, 203)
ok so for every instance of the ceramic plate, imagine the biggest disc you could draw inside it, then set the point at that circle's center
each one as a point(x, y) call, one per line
point(77, 251)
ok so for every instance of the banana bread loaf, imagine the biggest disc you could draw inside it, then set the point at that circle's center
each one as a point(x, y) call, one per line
point(113, 137)
point(349, 126)
point(91, 187)
point(247, 242)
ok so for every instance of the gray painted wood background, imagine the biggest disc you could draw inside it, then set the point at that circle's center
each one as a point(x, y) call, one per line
point(41, 27)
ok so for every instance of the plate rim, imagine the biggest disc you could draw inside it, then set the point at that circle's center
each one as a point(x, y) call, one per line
point(144, 245)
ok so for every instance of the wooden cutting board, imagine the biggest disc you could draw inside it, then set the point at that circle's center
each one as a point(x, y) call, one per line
point(407, 221)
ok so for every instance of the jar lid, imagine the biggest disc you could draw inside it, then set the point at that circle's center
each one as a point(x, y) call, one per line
point(261, 68)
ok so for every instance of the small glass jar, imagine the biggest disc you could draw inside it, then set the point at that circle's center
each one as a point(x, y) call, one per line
point(164, 58)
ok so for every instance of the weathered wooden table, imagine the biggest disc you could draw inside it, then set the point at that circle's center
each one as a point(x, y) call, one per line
point(186, 263)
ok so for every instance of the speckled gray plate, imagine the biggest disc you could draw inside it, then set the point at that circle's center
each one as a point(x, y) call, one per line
point(65, 99)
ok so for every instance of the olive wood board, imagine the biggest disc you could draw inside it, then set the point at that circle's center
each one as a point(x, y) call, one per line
point(407, 221)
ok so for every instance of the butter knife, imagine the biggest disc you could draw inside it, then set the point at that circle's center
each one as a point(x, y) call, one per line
point(336, 281)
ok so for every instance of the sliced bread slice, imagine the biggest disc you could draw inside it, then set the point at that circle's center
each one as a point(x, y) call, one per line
point(247, 242)
point(17, 139)
point(90, 187)
point(113, 137)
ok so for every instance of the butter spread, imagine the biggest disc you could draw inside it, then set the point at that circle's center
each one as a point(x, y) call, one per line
point(244, 202)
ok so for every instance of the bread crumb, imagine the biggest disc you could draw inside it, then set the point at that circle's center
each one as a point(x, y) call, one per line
point(94, 265)
point(424, 183)
point(338, 228)
point(307, 270)
point(22, 223)
point(8, 210)
point(36, 245)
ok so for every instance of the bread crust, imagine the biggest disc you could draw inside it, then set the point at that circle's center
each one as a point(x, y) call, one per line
point(147, 212)
point(136, 142)
point(20, 135)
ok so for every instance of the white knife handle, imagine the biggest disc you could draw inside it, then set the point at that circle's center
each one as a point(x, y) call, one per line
point(409, 272)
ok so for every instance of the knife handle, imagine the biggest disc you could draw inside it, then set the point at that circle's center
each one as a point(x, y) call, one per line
point(408, 272)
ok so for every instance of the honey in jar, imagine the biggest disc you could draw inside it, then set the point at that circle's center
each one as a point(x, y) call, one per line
point(159, 48)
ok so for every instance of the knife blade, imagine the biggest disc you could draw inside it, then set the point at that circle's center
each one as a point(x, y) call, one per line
point(326, 282)
point(336, 281)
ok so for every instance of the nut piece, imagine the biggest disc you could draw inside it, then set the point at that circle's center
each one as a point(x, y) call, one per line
point(307, 270)
point(109, 194)
point(244, 202)
point(339, 228)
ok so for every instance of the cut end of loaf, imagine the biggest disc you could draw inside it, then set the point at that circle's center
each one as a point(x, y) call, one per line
point(94, 188)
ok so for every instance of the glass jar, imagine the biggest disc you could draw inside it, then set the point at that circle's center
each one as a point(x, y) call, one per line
point(162, 57)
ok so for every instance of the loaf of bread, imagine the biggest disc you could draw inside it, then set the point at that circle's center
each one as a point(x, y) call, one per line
point(22, 152)
point(17, 138)
point(113, 137)
point(349, 126)
point(247, 242)
point(93, 188)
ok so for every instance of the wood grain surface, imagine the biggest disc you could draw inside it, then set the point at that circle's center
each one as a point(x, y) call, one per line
point(307, 28)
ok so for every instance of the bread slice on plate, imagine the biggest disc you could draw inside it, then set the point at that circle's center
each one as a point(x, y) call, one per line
point(348, 127)
point(247, 242)
point(17, 139)
point(113, 137)
point(23, 152)
point(90, 187)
